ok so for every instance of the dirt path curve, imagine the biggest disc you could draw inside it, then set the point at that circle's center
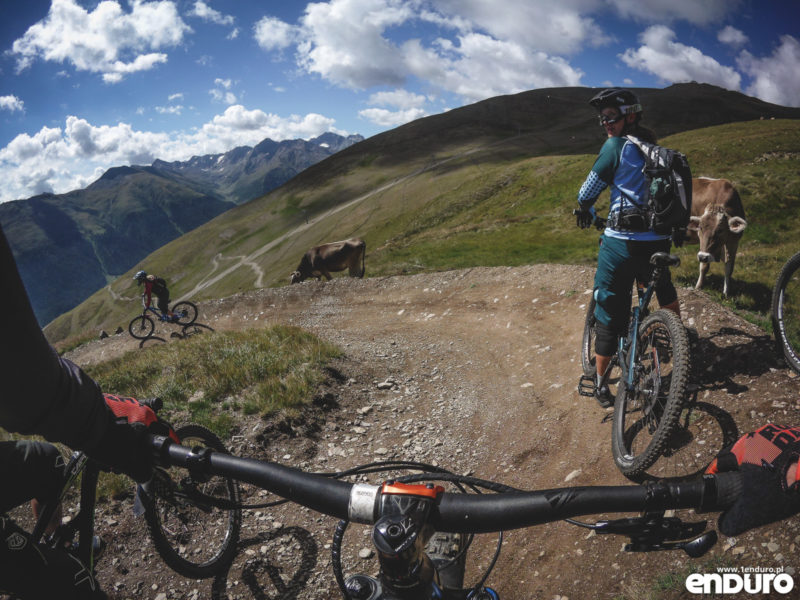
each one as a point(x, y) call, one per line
point(484, 364)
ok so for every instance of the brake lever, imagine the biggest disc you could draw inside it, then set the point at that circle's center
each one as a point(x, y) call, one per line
point(653, 531)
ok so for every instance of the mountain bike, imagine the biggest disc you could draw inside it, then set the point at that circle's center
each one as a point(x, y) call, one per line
point(786, 312)
point(654, 359)
point(143, 326)
point(413, 518)
point(193, 536)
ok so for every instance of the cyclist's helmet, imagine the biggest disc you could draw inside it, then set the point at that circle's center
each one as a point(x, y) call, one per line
point(623, 100)
point(140, 276)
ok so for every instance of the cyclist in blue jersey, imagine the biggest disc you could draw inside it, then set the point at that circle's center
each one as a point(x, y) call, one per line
point(627, 242)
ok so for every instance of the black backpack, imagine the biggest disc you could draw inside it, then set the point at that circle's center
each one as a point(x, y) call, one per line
point(159, 286)
point(669, 179)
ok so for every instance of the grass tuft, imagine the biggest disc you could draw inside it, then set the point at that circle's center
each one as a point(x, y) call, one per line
point(208, 377)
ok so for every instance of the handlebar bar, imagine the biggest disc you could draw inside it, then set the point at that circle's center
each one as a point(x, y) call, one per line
point(458, 513)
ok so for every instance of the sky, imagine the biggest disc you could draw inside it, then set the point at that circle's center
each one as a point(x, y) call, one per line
point(87, 85)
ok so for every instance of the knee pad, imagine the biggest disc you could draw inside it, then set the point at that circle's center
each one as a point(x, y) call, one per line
point(605, 340)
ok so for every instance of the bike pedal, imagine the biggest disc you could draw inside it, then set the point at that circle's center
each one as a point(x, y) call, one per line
point(587, 386)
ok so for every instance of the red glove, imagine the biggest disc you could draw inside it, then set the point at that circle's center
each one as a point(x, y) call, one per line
point(125, 446)
point(767, 459)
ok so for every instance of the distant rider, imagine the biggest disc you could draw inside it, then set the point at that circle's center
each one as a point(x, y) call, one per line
point(627, 242)
point(158, 286)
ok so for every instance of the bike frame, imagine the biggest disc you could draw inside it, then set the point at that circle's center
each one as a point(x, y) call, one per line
point(83, 522)
point(628, 346)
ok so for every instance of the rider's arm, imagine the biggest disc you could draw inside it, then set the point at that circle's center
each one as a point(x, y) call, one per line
point(602, 173)
point(42, 393)
point(147, 294)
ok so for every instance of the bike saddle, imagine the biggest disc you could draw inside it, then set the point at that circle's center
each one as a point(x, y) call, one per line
point(662, 259)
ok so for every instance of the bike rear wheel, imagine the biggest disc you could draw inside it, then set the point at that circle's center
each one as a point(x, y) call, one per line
point(193, 537)
point(142, 327)
point(786, 312)
point(646, 415)
point(186, 312)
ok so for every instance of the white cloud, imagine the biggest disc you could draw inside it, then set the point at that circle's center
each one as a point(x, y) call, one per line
point(205, 12)
point(273, 34)
point(58, 160)
point(106, 40)
point(399, 98)
point(11, 103)
point(176, 96)
point(674, 62)
point(492, 51)
point(389, 118)
point(560, 27)
point(174, 109)
point(776, 78)
point(732, 37)
point(658, 11)
point(222, 92)
point(409, 105)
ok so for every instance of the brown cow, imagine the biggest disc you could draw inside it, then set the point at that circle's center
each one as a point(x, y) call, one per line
point(717, 223)
point(336, 256)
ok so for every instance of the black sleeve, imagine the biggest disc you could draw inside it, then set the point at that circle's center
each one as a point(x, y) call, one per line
point(41, 392)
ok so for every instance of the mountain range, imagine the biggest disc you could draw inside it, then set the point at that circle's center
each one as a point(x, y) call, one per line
point(69, 245)
point(491, 183)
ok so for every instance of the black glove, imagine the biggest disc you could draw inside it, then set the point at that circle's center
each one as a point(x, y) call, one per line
point(764, 457)
point(585, 217)
point(125, 446)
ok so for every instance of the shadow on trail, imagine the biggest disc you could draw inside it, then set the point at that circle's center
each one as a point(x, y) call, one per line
point(187, 331)
point(715, 364)
point(270, 572)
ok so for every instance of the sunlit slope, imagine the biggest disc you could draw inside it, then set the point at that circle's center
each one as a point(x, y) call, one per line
point(484, 200)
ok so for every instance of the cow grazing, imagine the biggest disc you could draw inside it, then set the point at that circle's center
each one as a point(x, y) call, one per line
point(717, 224)
point(336, 256)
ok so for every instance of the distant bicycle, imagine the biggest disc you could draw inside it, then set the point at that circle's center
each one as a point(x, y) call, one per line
point(143, 326)
point(786, 311)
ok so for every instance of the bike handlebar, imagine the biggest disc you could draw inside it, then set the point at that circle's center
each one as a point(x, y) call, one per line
point(459, 513)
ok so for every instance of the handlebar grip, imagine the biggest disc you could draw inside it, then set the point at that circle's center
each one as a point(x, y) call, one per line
point(155, 403)
point(729, 488)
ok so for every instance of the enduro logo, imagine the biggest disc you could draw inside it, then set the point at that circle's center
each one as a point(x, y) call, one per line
point(16, 541)
point(749, 580)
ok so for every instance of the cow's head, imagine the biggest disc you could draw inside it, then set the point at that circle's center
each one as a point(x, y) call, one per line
point(713, 229)
point(296, 277)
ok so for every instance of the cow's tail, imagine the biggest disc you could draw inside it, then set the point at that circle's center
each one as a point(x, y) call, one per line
point(363, 255)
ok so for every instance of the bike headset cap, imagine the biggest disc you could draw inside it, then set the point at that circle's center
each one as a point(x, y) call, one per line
point(140, 275)
point(623, 100)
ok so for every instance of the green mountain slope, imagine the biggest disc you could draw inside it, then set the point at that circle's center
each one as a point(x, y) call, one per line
point(490, 184)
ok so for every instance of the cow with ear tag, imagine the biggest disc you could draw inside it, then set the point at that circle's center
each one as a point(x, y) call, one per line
point(717, 224)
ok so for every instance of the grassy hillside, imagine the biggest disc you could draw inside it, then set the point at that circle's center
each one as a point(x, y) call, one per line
point(484, 202)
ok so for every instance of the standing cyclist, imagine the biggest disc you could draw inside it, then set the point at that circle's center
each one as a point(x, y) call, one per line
point(158, 286)
point(45, 394)
point(627, 243)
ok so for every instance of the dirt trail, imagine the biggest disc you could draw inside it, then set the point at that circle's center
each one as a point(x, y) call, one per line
point(485, 363)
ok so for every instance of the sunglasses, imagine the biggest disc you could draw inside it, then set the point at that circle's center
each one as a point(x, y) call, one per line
point(606, 120)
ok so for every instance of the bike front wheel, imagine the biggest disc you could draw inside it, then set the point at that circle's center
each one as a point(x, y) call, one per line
point(647, 413)
point(142, 327)
point(786, 312)
point(194, 523)
point(186, 312)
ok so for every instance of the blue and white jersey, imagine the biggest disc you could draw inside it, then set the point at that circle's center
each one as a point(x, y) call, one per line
point(619, 165)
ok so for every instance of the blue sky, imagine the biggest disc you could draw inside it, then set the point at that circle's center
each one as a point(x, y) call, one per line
point(86, 85)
